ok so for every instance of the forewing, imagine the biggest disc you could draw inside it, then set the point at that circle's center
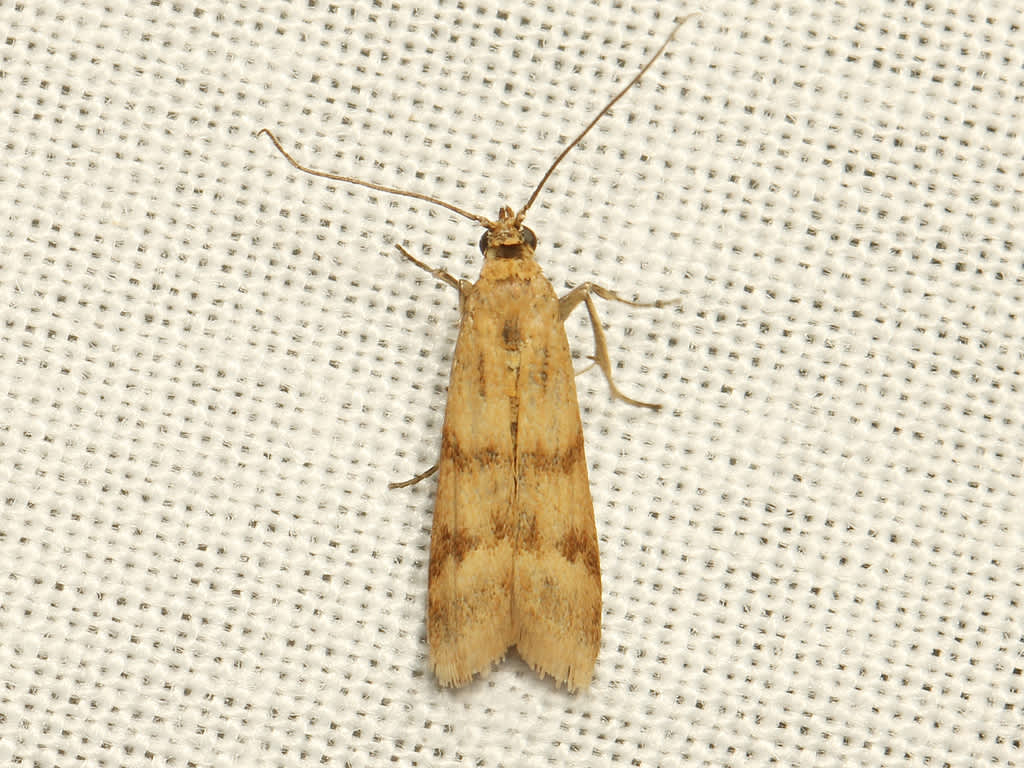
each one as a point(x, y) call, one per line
point(469, 616)
point(557, 584)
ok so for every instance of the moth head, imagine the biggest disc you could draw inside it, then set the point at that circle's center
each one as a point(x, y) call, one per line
point(507, 236)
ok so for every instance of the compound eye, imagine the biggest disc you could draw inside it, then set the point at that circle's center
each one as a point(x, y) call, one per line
point(483, 242)
point(529, 238)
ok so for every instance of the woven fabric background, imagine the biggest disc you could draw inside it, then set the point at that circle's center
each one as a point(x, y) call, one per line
point(212, 365)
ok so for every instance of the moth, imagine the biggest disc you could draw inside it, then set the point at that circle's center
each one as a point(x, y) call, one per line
point(513, 551)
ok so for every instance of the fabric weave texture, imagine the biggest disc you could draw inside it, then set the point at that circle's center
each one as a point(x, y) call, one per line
point(212, 366)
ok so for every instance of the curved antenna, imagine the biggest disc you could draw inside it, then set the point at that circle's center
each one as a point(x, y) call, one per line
point(602, 113)
point(379, 187)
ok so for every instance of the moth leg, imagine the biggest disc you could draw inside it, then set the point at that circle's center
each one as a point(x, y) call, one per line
point(581, 371)
point(414, 480)
point(583, 292)
point(462, 286)
point(568, 303)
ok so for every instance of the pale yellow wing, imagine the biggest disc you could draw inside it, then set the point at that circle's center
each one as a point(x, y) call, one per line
point(557, 575)
point(469, 612)
point(513, 551)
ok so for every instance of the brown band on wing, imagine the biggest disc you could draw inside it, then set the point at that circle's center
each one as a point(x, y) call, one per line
point(528, 535)
point(561, 461)
point(501, 524)
point(451, 451)
point(576, 545)
point(452, 612)
point(442, 547)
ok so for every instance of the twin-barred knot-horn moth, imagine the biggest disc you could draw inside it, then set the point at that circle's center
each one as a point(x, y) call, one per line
point(513, 551)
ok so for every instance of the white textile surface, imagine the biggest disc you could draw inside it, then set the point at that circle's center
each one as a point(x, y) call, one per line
point(212, 365)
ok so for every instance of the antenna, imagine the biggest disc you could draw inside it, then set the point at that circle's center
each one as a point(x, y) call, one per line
point(483, 220)
point(602, 113)
point(379, 187)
